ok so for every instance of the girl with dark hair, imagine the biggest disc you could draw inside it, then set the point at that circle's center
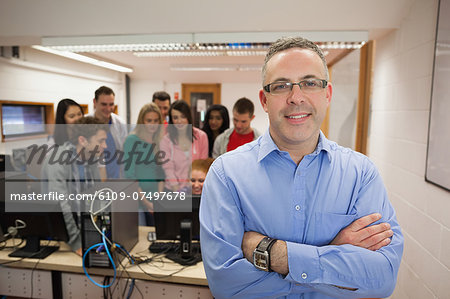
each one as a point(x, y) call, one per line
point(67, 113)
point(182, 144)
point(217, 120)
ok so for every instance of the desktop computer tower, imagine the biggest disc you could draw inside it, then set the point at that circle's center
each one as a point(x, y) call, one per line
point(121, 227)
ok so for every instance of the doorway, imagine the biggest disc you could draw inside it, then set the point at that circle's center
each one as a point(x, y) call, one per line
point(200, 97)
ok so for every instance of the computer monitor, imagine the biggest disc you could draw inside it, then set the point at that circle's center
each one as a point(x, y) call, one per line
point(183, 227)
point(168, 224)
point(40, 225)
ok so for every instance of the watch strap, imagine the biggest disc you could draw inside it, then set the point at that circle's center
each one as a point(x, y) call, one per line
point(272, 242)
point(265, 245)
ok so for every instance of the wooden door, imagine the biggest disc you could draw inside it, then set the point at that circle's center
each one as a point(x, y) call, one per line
point(200, 97)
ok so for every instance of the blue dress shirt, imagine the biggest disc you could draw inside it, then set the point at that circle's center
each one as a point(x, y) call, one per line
point(260, 188)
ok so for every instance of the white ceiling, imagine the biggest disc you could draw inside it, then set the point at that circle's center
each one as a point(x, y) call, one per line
point(31, 22)
point(155, 68)
point(36, 19)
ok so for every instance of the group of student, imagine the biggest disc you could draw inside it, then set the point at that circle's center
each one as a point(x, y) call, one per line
point(163, 131)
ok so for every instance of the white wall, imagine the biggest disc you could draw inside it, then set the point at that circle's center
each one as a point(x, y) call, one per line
point(141, 92)
point(42, 77)
point(398, 145)
point(343, 106)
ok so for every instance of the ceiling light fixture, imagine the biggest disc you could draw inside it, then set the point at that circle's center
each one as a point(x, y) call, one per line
point(244, 49)
point(208, 68)
point(178, 53)
point(198, 53)
point(85, 59)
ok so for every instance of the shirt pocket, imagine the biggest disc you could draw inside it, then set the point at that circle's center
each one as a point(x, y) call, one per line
point(326, 226)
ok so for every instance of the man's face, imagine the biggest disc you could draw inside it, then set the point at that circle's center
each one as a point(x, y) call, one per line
point(163, 106)
point(242, 122)
point(104, 106)
point(295, 117)
point(95, 144)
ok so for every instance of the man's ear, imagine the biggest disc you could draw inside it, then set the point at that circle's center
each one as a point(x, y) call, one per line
point(95, 103)
point(263, 100)
point(329, 92)
point(82, 141)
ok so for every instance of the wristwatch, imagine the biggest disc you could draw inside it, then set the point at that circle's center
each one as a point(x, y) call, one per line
point(261, 254)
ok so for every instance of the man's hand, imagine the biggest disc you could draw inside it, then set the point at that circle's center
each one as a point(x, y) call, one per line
point(359, 233)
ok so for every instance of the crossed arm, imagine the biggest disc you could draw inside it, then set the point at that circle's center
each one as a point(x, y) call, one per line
point(350, 267)
point(359, 233)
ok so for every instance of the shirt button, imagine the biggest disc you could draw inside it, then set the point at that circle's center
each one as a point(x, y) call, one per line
point(304, 276)
point(297, 207)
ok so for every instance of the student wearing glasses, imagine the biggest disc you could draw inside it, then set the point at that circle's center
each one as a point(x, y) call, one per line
point(293, 214)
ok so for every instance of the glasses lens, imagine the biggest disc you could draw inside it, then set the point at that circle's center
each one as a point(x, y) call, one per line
point(311, 85)
point(280, 87)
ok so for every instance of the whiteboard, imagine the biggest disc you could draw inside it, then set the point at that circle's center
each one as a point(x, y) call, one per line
point(438, 153)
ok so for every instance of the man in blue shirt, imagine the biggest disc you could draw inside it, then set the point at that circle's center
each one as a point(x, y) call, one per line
point(293, 214)
point(118, 130)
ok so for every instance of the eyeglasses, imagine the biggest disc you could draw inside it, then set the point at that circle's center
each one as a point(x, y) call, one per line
point(307, 86)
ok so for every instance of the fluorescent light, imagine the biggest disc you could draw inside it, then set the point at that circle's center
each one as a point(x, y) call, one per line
point(205, 68)
point(341, 45)
point(232, 49)
point(246, 53)
point(204, 38)
point(218, 67)
point(199, 53)
point(84, 59)
point(179, 53)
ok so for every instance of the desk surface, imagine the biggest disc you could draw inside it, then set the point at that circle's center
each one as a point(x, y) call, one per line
point(65, 260)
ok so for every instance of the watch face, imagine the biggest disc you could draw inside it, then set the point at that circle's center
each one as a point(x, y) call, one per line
point(260, 260)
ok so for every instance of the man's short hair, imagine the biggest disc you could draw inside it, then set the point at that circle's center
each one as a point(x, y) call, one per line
point(286, 43)
point(161, 95)
point(103, 90)
point(244, 105)
point(87, 127)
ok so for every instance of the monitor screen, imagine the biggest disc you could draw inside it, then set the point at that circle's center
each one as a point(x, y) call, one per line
point(23, 120)
point(167, 224)
point(34, 226)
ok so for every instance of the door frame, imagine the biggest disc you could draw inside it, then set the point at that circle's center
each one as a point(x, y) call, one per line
point(187, 88)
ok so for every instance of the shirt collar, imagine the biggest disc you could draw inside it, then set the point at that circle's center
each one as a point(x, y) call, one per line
point(267, 145)
point(323, 145)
